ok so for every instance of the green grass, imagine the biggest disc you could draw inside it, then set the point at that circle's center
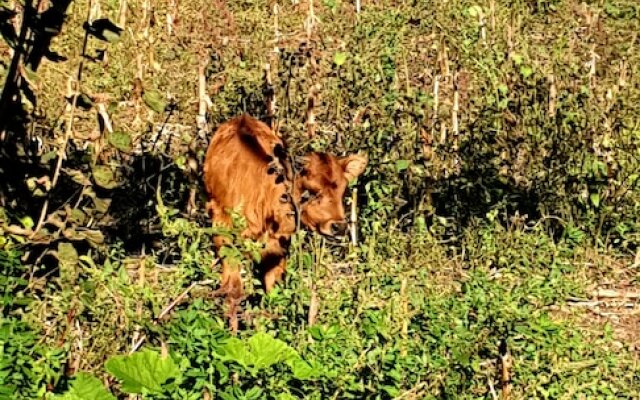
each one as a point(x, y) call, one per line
point(477, 243)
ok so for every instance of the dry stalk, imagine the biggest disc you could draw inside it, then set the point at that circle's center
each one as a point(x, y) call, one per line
point(314, 306)
point(276, 29)
point(615, 294)
point(354, 216)
point(312, 99)
point(136, 345)
point(622, 79)
point(482, 21)
point(510, 38)
point(102, 112)
point(592, 66)
point(310, 21)
point(171, 16)
point(404, 303)
point(443, 133)
point(413, 392)
point(492, 14)
point(455, 110)
point(506, 362)
point(436, 103)
point(122, 14)
point(492, 389)
point(204, 102)
point(270, 94)
point(553, 94)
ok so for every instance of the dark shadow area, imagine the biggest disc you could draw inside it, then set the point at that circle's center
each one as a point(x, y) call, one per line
point(30, 44)
point(73, 208)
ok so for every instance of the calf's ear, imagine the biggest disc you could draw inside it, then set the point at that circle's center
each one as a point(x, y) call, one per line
point(354, 165)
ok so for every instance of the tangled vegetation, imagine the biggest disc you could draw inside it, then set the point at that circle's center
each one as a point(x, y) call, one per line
point(498, 220)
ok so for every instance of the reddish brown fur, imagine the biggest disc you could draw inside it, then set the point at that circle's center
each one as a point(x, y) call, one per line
point(245, 167)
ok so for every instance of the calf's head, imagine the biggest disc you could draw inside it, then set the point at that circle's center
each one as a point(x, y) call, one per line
point(320, 187)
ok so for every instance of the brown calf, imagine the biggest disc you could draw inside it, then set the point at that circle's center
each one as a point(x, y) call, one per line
point(246, 166)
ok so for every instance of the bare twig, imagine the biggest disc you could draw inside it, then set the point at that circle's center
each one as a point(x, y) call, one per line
point(610, 293)
point(137, 344)
point(182, 295)
point(354, 216)
point(492, 389)
point(411, 393)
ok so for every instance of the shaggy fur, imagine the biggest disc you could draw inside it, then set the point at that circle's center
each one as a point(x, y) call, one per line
point(246, 167)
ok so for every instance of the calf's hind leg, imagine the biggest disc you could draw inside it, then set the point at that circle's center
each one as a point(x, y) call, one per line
point(273, 274)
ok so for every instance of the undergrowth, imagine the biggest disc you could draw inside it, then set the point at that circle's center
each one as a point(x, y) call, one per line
point(501, 196)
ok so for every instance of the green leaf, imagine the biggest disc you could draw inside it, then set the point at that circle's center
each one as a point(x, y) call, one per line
point(267, 350)
point(143, 371)
point(259, 352)
point(154, 100)
point(401, 165)
point(286, 396)
point(121, 141)
point(68, 261)
point(67, 253)
point(474, 11)
point(517, 58)
point(595, 199)
point(27, 222)
point(304, 370)
point(526, 71)
point(86, 387)
point(339, 58)
point(103, 176)
point(49, 156)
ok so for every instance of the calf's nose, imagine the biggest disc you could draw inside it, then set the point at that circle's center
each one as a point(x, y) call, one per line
point(339, 228)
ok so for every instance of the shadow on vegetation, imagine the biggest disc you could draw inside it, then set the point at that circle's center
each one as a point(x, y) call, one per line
point(25, 168)
point(20, 132)
point(123, 212)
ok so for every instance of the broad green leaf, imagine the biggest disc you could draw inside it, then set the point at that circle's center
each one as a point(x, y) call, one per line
point(144, 370)
point(121, 141)
point(154, 100)
point(103, 176)
point(401, 165)
point(86, 387)
point(339, 58)
point(304, 370)
point(259, 352)
point(235, 350)
point(266, 350)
